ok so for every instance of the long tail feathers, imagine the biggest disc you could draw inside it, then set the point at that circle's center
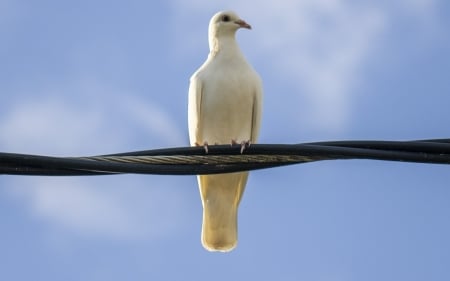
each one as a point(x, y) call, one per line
point(221, 195)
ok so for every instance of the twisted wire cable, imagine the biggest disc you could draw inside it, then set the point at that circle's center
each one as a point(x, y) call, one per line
point(225, 158)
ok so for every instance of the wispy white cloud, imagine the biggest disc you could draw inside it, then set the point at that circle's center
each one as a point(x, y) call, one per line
point(120, 208)
point(87, 119)
point(115, 207)
point(421, 9)
point(318, 47)
point(157, 123)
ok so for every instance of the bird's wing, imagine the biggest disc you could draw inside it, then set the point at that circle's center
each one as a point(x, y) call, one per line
point(194, 109)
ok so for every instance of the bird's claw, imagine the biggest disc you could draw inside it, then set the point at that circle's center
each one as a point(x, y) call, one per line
point(205, 146)
point(244, 144)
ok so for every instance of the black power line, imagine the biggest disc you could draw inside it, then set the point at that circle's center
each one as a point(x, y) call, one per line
point(225, 158)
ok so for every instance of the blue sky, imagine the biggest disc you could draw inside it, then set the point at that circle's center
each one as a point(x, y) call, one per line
point(94, 77)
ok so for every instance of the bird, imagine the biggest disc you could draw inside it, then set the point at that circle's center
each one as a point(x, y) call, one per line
point(224, 105)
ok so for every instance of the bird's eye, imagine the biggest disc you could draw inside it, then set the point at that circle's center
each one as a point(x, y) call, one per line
point(225, 18)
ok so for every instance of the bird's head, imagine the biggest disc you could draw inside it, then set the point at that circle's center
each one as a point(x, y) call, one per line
point(226, 23)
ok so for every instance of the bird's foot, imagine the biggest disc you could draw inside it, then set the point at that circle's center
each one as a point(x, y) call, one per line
point(244, 144)
point(205, 146)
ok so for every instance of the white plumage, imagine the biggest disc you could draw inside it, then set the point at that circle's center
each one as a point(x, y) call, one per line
point(225, 103)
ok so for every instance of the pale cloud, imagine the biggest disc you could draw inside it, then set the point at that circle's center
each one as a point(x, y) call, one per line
point(76, 204)
point(317, 47)
point(101, 121)
point(119, 208)
point(156, 122)
point(48, 125)
point(422, 9)
point(111, 121)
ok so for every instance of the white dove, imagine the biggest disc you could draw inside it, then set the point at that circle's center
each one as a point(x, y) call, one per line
point(225, 104)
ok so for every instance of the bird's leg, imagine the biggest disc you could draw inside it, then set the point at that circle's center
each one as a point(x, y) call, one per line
point(244, 145)
point(205, 146)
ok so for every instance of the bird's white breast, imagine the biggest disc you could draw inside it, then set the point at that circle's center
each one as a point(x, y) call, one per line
point(228, 95)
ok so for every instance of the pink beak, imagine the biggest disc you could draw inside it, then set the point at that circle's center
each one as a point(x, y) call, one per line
point(243, 24)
